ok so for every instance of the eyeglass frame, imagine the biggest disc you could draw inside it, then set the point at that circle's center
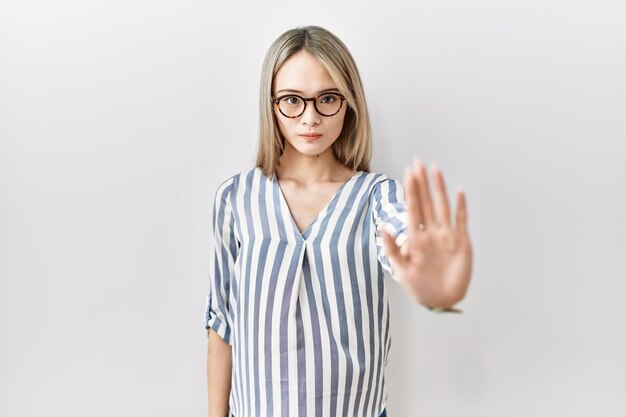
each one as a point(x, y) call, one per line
point(313, 99)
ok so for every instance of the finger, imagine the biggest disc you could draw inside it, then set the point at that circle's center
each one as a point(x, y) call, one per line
point(426, 205)
point(393, 250)
point(443, 212)
point(461, 212)
point(412, 201)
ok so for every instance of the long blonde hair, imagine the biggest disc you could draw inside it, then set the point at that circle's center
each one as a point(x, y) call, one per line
point(353, 146)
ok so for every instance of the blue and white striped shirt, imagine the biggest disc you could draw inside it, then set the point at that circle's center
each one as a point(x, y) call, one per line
point(306, 313)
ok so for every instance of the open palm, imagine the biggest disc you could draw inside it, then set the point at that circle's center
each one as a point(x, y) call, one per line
point(434, 264)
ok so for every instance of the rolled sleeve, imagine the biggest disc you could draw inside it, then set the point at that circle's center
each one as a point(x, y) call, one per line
point(389, 212)
point(218, 311)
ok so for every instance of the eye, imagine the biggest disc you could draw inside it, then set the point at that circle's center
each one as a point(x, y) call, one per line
point(329, 98)
point(292, 100)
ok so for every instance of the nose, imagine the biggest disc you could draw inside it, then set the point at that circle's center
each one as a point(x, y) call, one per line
point(310, 115)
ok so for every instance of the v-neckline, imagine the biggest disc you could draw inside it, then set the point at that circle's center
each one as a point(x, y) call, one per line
point(322, 213)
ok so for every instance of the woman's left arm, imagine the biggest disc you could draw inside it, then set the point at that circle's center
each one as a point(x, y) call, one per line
point(434, 264)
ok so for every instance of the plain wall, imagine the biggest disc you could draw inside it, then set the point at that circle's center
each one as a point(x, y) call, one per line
point(118, 120)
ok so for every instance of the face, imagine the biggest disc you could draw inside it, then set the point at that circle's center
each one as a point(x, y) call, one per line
point(304, 73)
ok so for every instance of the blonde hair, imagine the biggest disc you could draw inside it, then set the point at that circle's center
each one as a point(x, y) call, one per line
point(353, 146)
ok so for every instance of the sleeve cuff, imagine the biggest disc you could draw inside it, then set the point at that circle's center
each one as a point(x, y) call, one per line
point(220, 327)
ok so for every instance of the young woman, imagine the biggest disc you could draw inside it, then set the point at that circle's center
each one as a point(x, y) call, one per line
point(297, 313)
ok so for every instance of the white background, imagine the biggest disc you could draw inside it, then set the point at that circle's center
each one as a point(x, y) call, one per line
point(118, 120)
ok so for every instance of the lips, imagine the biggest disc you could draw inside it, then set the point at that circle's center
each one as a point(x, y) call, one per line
point(311, 135)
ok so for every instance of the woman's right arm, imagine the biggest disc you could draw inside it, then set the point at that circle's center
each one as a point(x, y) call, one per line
point(218, 314)
point(219, 370)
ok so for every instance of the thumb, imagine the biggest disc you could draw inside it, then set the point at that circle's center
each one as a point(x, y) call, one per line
point(392, 249)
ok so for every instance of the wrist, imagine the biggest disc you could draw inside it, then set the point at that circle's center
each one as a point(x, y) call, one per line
point(449, 309)
point(441, 305)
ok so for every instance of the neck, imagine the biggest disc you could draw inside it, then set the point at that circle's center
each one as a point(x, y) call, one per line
point(309, 169)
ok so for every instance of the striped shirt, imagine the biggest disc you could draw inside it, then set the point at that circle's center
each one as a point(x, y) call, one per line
point(306, 313)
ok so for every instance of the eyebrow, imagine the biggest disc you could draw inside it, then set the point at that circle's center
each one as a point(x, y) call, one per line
point(301, 92)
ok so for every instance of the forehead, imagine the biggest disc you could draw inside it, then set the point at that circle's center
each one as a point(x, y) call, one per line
point(304, 72)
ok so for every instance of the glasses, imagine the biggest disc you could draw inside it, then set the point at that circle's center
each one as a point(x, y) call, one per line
point(292, 105)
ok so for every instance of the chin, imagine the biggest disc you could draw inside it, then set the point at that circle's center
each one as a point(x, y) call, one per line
point(312, 149)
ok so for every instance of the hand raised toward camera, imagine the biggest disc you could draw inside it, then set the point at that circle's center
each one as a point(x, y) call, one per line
point(434, 264)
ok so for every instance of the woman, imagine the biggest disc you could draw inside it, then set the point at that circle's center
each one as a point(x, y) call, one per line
point(297, 313)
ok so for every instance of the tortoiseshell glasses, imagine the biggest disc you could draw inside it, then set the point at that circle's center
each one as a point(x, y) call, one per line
point(293, 105)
